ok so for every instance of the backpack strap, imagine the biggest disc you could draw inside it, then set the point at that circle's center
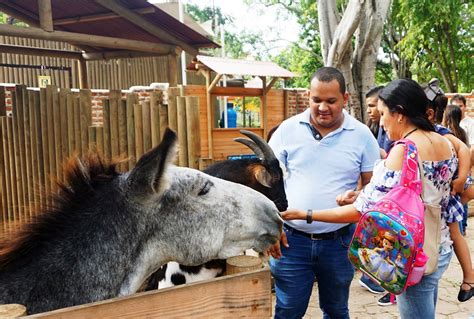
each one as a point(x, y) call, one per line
point(410, 173)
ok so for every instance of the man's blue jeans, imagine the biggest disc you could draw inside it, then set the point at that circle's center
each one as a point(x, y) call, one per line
point(419, 301)
point(304, 260)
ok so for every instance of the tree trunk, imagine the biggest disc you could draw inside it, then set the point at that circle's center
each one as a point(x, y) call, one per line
point(366, 18)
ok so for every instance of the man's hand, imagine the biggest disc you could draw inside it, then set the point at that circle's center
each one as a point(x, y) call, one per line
point(275, 250)
point(347, 198)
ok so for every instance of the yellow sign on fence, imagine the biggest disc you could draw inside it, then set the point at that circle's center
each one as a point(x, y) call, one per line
point(44, 80)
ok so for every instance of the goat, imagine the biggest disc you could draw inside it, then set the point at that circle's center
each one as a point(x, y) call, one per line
point(262, 173)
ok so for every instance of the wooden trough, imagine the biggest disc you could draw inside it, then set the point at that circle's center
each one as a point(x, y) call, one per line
point(245, 294)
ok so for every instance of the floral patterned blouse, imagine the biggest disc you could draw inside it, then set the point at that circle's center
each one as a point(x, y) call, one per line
point(436, 190)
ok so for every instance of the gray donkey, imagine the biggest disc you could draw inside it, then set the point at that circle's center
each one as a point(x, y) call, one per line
point(107, 231)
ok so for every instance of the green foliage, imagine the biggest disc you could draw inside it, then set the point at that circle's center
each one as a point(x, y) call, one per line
point(237, 46)
point(438, 40)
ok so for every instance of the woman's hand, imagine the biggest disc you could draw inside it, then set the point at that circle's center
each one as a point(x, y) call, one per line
point(293, 214)
point(457, 186)
point(348, 197)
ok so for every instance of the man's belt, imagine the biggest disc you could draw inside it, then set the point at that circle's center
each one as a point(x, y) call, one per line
point(323, 236)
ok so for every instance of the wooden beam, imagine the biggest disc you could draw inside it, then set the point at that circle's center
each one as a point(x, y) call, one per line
point(173, 70)
point(139, 21)
point(106, 55)
point(87, 39)
point(18, 49)
point(99, 17)
point(236, 91)
point(270, 85)
point(240, 295)
point(45, 15)
point(214, 82)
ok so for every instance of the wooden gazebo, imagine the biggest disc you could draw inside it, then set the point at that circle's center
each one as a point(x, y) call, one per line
point(101, 29)
point(268, 72)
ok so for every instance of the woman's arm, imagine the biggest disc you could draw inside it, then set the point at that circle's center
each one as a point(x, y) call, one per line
point(464, 156)
point(342, 214)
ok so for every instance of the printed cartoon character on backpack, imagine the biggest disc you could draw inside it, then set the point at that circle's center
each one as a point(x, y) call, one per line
point(378, 260)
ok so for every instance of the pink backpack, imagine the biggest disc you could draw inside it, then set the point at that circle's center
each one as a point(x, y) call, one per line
point(388, 241)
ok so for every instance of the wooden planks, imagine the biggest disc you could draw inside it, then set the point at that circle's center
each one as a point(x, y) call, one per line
point(240, 295)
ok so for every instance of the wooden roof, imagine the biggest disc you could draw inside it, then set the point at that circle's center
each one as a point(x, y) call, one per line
point(98, 18)
point(241, 67)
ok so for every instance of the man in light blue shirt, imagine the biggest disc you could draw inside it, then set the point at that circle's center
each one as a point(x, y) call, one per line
point(325, 151)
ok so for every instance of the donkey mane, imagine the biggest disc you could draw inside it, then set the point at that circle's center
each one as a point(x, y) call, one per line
point(81, 178)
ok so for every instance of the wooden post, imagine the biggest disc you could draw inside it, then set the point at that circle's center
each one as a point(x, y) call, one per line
point(155, 104)
point(92, 138)
point(100, 139)
point(63, 110)
point(39, 148)
point(173, 93)
point(194, 141)
point(28, 152)
point(50, 134)
point(264, 110)
point(71, 142)
point(45, 15)
point(122, 127)
point(12, 170)
point(12, 311)
point(238, 264)
point(3, 174)
point(146, 125)
point(58, 147)
point(82, 68)
point(85, 100)
point(34, 178)
point(19, 146)
point(3, 107)
point(207, 74)
point(132, 99)
point(138, 115)
point(106, 121)
point(114, 95)
point(173, 70)
point(182, 134)
point(163, 119)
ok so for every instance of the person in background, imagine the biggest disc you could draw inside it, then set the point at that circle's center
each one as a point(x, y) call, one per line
point(231, 117)
point(467, 123)
point(321, 159)
point(402, 106)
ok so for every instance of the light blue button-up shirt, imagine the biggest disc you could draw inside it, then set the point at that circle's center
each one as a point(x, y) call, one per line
point(317, 171)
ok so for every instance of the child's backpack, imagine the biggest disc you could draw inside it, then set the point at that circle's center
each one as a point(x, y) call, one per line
point(388, 241)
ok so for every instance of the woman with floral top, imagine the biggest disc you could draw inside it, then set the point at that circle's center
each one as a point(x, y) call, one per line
point(402, 105)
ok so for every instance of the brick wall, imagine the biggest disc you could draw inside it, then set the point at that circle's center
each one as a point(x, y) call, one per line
point(298, 101)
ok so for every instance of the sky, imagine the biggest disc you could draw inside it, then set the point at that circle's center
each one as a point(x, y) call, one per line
point(278, 27)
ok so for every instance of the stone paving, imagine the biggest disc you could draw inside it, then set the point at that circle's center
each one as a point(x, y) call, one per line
point(363, 304)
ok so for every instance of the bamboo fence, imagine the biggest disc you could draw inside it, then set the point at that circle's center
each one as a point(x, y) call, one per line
point(49, 125)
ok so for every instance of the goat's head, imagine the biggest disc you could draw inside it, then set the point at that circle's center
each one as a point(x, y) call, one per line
point(266, 172)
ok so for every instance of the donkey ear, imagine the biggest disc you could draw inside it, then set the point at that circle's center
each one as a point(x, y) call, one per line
point(262, 176)
point(148, 176)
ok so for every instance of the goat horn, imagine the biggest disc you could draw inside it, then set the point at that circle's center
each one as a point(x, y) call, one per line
point(268, 154)
point(251, 144)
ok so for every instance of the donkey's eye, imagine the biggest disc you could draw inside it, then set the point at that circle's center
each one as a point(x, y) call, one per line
point(205, 189)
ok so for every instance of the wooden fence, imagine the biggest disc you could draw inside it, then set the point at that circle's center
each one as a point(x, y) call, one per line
point(49, 125)
point(101, 74)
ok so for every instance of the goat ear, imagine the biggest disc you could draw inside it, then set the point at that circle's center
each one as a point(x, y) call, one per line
point(263, 176)
point(148, 176)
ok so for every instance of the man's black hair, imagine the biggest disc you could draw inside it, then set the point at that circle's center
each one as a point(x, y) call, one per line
point(458, 97)
point(373, 91)
point(328, 74)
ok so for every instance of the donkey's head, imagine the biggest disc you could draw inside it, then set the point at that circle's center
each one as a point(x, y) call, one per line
point(202, 217)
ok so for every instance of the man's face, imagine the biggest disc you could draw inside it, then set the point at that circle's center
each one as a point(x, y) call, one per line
point(326, 103)
point(461, 105)
point(372, 111)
